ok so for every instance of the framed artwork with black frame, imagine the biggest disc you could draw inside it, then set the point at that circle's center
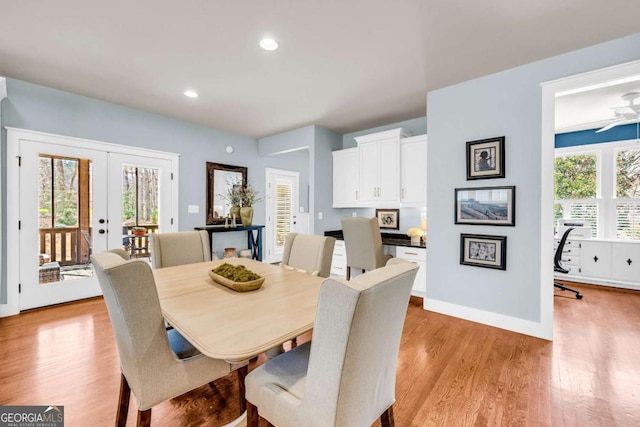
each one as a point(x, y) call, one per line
point(481, 250)
point(388, 218)
point(486, 205)
point(485, 158)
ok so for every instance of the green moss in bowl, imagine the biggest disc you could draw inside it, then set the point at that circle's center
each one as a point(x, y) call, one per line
point(237, 273)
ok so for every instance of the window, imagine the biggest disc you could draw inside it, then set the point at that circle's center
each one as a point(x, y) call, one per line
point(139, 196)
point(627, 205)
point(600, 184)
point(576, 188)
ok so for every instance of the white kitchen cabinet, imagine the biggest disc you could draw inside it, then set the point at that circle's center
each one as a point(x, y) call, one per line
point(418, 256)
point(379, 159)
point(339, 260)
point(346, 178)
point(413, 171)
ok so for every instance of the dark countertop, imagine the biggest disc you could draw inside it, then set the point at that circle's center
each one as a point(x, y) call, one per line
point(393, 239)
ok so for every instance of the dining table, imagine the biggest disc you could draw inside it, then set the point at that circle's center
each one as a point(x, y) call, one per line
point(236, 326)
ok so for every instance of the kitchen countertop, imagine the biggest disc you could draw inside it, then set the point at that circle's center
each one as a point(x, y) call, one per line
point(392, 239)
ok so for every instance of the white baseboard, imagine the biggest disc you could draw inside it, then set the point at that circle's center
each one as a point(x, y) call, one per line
point(514, 324)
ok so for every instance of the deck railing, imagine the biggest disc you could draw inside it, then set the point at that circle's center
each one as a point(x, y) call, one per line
point(67, 246)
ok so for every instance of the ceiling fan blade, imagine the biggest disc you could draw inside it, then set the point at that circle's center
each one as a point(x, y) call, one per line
point(609, 126)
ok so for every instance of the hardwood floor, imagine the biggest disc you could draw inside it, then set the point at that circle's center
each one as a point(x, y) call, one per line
point(451, 372)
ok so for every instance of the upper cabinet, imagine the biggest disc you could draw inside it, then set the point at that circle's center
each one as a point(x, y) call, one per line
point(387, 169)
point(413, 171)
point(380, 168)
point(345, 178)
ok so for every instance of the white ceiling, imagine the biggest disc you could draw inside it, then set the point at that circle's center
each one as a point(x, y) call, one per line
point(346, 65)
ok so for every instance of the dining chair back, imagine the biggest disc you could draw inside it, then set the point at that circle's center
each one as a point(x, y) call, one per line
point(363, 244)
point(346, 376)
point(149, 367)
point(309, 253)
point(183, 247)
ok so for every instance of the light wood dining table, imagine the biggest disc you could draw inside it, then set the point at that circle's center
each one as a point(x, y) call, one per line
point(236, 326)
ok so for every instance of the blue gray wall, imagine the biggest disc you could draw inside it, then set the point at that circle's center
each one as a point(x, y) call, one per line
point(509, 104)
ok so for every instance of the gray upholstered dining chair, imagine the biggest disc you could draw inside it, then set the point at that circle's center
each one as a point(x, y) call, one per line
point(149, 368)
point(183, 247)
point(346, 376)
point(309, 253)
point(363, 244)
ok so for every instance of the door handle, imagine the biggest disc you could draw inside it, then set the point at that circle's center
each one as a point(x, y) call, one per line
point(101, 221)
point(101, 231)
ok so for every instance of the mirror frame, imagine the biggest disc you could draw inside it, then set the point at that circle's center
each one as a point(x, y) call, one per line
point(211, 168)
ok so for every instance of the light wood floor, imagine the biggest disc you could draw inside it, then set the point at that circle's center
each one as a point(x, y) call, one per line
point(450, 372)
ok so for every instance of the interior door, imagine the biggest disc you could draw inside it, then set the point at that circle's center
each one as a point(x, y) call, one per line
point(281, 205)
point(63, 218)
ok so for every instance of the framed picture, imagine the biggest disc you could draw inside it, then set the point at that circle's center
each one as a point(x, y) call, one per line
point(483, 251)
point(486, 206)
point(388, 218)
point(485, 158)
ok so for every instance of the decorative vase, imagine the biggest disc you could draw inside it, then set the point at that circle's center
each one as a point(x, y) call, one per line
point(230, 253)
point(234, 212)
point(246, 215)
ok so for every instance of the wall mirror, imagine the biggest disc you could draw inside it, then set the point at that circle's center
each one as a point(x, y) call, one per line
point(220, 179)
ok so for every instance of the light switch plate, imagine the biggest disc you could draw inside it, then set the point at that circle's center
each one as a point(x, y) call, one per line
point(193, 209)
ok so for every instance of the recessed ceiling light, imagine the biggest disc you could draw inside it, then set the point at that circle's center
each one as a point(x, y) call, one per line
point(268, 44)
point(190, 93)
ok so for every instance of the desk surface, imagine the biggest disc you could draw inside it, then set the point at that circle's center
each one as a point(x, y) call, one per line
point(235, 326)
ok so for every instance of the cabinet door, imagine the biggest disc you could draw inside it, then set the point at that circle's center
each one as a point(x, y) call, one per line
point(625, 259)
point(345, 178)
point(595, 259)
point(388, 170)
point(368, 154)
point(413, 171)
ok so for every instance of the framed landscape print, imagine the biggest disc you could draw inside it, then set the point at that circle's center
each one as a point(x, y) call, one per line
point(481, 250)
point(486, 205)
point(485, 158)
point(388, 218)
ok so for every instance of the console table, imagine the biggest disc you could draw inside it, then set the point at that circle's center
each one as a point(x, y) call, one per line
point(254, 241)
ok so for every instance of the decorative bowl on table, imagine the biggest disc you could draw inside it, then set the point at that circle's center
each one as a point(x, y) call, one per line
point(236, 277)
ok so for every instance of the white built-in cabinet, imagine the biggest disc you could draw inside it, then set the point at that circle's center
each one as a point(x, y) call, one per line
point(413, 171)
point(346, 178)
point(602, 262)
point(386, 169)
point(418, 256)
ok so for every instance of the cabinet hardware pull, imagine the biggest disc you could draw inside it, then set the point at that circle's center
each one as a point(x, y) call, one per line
point(629, 261)
point(595, 258)
point(411, 253)
point(356, 194)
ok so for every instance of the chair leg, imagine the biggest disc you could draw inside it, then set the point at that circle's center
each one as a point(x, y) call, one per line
point(294, 343)
point(144, 418)
point(387, 418)
point(123, 402)
point(242, 373)
point(564, 288)
point(348, 273)
point(252, 415)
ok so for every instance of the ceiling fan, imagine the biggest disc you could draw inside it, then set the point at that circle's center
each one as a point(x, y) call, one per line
point(622, 114)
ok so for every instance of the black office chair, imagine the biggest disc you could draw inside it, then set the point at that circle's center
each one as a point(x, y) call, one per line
point(559, 267)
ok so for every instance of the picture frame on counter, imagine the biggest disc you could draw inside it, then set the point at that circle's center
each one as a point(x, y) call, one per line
point(486, 206)
point(479, 250)
point(485, 158)
point(388, 218)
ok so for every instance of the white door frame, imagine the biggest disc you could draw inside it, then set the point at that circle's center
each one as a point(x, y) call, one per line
point(271, 255)
point(578, 83)
point(14, 136)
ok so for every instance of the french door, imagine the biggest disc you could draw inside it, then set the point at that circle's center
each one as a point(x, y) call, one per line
point(282, 207)
point(73, 201)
